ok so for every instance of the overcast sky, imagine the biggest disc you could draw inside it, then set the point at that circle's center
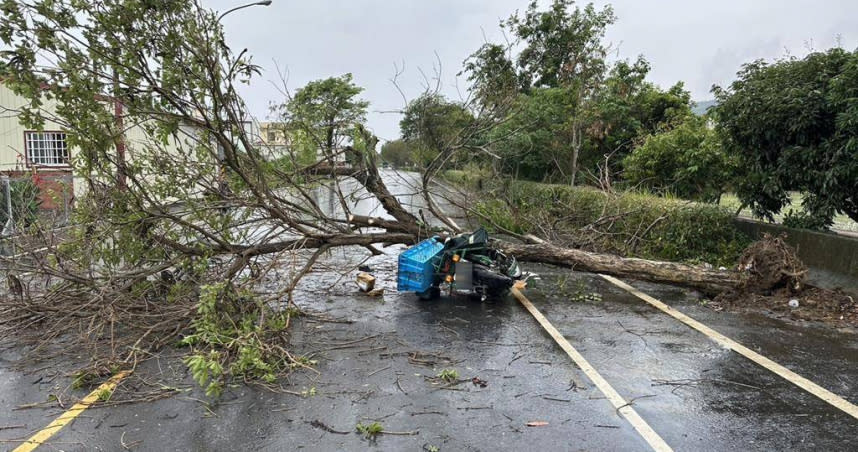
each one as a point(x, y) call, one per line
point(696, 41)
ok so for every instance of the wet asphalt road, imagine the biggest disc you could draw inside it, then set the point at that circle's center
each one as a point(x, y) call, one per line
point(380, 367)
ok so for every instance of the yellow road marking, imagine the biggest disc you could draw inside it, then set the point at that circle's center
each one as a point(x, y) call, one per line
point(46, 433)
point(794, 378)
point(649, 435)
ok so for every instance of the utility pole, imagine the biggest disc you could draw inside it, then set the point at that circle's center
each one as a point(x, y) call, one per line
point(262, 3)
point(223, 188)
point(121, 182)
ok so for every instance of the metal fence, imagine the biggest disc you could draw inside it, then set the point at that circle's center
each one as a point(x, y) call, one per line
point(34, 198)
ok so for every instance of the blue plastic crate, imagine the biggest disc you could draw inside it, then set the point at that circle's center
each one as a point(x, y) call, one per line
point(417, 266)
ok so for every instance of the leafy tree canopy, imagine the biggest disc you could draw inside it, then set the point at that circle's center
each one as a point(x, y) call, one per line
point(399, 153)
point(628, 109)
point(533, 142)
point(493, 77)
point(687, 161)
point(432, 123)
point(327, 110)
point(562, 105)
point(563, 44)
point(794, 125)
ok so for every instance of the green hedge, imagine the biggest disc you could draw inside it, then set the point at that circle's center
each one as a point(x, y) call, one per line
point(633, 224)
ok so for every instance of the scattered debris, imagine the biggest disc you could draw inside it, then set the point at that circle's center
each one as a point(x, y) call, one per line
point(375, 292)
point(365, 282)
point(477, 381)
point(429, 359)
point(812, 304)
point(581, 297)
point(448, 375)
point(775, 281)
point(369, 431)
point(319, 424)
point(606, 426)
point(771, 264)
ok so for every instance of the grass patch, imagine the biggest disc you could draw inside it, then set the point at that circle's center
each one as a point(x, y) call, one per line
point(449, 375)
point(732, 202)
point(369, 431)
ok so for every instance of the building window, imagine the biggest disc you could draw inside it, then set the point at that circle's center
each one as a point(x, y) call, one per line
point(271, 136)
point(47, 148)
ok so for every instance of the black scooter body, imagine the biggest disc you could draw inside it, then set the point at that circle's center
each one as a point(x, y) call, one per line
point(492, 272)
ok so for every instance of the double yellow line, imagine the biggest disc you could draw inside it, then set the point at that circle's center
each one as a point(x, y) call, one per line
point(46, 433)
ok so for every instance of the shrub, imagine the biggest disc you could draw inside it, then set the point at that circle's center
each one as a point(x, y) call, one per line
point(802, 219)
point(627, 223)
point(687, 161)
point(25, 202)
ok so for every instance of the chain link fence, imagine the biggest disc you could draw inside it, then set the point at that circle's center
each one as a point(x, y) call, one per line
point(33, 199)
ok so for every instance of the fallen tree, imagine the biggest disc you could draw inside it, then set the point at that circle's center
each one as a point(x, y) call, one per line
point(179, 226)
point(709, 281)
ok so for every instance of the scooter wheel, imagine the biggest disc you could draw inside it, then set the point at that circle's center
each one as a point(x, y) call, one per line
point(430, 293)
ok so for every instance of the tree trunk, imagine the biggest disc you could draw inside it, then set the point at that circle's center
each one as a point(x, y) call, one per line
point(576, 149)
point(709, 282)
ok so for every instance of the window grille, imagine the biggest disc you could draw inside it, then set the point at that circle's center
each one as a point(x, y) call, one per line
point(47, 148)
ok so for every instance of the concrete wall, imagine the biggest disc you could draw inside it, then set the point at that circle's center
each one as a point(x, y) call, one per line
point(12, 152)
point(833, 258)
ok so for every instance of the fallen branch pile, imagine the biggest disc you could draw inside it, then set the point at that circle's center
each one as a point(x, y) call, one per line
point(169, 245)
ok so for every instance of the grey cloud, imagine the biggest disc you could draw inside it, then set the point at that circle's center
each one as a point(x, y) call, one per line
point(699, 42)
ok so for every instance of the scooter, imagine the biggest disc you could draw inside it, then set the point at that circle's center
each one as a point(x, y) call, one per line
point(464, 264)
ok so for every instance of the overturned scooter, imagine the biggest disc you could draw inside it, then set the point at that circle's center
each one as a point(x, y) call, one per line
point(464, 263)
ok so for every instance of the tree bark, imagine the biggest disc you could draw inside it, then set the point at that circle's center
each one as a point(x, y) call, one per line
point(576, 149)
point(710, 282)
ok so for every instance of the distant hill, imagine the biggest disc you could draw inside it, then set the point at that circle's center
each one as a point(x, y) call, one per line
point(703, 106)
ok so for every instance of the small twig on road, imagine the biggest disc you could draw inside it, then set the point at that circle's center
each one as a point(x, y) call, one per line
point(10, 427)
point(377, 371)
point(640, 336)
point(449, 329)
point(370, 350)
point(319, 424)
point(697, 381)
point(322, 319)
point(502, 344)
point(630, 402)
point(411, 433)
point(349, 342)
point(131, 445)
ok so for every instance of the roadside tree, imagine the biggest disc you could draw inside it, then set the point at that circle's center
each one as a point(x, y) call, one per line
point(687, 161)
point(793, 124)
point(327, 111)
